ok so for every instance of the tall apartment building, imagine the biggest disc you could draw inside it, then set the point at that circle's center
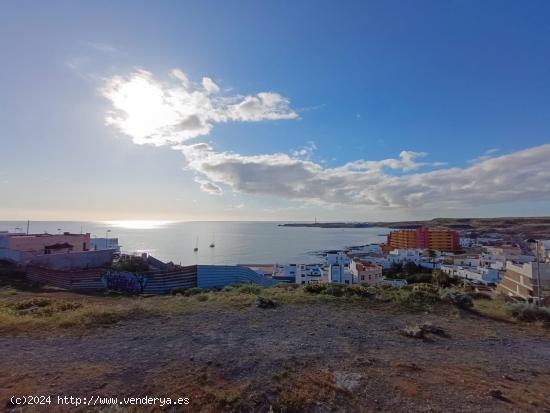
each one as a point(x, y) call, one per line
point(441, 239)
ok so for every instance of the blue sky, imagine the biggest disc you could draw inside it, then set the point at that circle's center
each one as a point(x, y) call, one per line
point(450, 80)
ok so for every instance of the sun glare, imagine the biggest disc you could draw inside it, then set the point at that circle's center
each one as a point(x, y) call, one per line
point(138, 224)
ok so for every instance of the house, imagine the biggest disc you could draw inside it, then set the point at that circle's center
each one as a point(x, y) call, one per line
point(365, 272)
point(21, 247)
point(339, 274)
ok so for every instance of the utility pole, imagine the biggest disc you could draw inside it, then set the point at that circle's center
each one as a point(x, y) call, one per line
point(539, 287)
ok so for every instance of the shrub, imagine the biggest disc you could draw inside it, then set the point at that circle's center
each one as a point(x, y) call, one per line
point(458, 298)
point(33, 302)
point(202, 297)
point(315, 288)
point(337, 290)
point(419, 296)
point(419, 278)
point(193, 291)
point(528, 312)
point(360, 290)
point(441, 278)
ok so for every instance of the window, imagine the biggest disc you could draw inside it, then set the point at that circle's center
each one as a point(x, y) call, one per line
point(362, 278)
point(303, 282)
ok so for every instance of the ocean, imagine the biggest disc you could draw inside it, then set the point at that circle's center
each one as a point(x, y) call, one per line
point(235, 242)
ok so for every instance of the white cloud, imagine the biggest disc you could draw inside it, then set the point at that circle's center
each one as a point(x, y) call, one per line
point(157, 113)
point(209, 187)
point(516, 176)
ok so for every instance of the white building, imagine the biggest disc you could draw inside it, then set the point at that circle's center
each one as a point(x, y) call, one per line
point(483, 275)
point(301, 273)
point(339, 274)
point(339, 257)
point(404, 255)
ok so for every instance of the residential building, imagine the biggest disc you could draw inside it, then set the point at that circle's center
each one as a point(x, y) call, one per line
point(440, 239)
point(339, 274)
point(21, 248)
point(299, 273)
point(522, 279)
point(365, 272)
point(475, 273)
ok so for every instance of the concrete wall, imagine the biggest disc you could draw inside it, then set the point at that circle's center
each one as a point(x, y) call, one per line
point(74, 260)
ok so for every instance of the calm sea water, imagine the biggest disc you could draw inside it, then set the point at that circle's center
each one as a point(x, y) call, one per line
point(236, 242)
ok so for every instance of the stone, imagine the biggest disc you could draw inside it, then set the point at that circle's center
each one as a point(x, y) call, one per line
point(413, 331)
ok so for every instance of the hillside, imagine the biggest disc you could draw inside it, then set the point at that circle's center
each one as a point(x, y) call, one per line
point(313, 352)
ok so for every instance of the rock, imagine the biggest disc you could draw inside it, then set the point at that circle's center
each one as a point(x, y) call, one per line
point(430, 328)
point(413, 331)
point(262, 302)
point(495, 393)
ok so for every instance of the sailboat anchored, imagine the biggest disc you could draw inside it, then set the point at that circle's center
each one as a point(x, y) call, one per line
point(213, 244)
point(196, 245)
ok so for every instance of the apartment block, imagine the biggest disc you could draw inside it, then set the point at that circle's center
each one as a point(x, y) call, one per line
point(440, 239)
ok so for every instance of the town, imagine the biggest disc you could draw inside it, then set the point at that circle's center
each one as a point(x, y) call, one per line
point(488, 264)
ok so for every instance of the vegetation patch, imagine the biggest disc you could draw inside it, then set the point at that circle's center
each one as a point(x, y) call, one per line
point(529, 312)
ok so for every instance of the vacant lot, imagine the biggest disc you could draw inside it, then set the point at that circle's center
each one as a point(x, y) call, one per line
point(310, 353)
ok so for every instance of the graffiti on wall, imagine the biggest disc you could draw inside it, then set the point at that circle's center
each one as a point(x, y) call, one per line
point(124, 281)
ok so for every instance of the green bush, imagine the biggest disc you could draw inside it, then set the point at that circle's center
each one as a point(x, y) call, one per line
point(315, 288)
point(418, 297)
point(528, 312)
point(419, 278)
point(360, 290)
point(337, 290)
point(458, 298)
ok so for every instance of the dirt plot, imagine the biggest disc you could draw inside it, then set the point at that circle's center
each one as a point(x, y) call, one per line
point(305, 356)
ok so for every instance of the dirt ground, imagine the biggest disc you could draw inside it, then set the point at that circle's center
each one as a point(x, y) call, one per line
point(314, 357)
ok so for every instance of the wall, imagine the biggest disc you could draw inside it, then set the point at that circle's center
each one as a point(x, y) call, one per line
point(74, 260)
point(160, 282)
point(37, 242)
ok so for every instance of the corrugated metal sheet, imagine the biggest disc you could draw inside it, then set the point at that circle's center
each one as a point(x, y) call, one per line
point(209, 276)
point(159, 282)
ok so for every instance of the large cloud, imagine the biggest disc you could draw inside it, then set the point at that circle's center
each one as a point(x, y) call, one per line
point(520, 175)
point(157, 113)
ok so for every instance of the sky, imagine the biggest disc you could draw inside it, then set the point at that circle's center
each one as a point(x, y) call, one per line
point(274, 110)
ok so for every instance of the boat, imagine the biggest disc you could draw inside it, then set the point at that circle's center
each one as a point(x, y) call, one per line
point(196, 245)
point(212, 245)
